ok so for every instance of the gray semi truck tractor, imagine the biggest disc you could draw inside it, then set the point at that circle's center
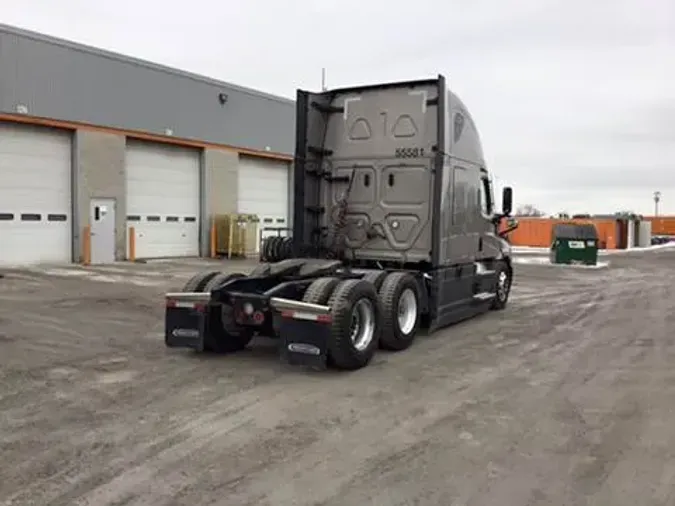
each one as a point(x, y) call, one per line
point(395, 228)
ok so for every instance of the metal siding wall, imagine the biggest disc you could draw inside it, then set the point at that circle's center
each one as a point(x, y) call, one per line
point(71, 84)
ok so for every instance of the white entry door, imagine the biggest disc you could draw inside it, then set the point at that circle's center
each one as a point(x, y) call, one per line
point(102, 219)
point(264, 190)
point(35, 195)
point(163, 199)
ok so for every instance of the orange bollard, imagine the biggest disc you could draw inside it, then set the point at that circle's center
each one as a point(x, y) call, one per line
point(212, 241)
point(86, 245)
point(132, 245)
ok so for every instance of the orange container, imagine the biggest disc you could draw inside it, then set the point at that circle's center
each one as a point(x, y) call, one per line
point(662, 225)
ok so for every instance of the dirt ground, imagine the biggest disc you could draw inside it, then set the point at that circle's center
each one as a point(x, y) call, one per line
point(566, 398)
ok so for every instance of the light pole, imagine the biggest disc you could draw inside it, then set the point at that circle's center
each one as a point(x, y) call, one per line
point(657, 199)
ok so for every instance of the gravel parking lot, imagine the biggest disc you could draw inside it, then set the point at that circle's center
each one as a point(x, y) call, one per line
point(566, 398)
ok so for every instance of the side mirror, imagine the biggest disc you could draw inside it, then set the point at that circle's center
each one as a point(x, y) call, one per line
point(507, 201)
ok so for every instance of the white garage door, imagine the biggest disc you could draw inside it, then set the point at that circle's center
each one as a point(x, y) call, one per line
point(35, 195)
point(263, 191)
point(163, 199)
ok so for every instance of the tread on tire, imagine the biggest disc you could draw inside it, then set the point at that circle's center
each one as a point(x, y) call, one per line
point(342, 351)
point(197, 282)
point(376, 278)
point(395, 284)
point(320, 290)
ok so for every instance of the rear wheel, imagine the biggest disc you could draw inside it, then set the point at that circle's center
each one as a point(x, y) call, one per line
point(221, 278)
point(400, 298)
point(224, 335)
point(376, 278)
point(356, 324)
point(197, 282)
point(320, 290)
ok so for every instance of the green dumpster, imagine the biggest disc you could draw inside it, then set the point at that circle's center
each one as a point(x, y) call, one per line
point(574, 243)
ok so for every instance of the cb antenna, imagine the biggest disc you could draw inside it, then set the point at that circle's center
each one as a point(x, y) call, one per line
point(323, 79)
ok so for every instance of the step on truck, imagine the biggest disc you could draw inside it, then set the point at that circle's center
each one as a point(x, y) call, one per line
point(394, 230)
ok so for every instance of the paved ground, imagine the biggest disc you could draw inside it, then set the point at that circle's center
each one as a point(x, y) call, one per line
point(565, 399)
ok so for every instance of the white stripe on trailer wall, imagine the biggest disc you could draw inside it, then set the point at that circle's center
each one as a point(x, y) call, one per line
point(35, 195)
point(163, 199)
point(264, 191)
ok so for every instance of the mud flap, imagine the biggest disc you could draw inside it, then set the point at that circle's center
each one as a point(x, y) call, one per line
point(304, 342)
point(185, 325)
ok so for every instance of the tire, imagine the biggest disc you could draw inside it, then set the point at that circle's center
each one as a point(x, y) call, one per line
point(224, 335)
point(320, 290)
point(354, 297)
point(221, 278)
point(276, 249)
point(376, 278)
point(197, 282)
point(400, 299)
point(288, 247)
point(267, 249)
point(504, 278)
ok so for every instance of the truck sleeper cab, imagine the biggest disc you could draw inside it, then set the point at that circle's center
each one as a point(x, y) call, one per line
point(394, 228)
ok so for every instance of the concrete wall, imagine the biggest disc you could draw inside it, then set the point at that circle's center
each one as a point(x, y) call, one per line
point(61, 80)
point(99, 170)
point(222, 174)
point(219, 189)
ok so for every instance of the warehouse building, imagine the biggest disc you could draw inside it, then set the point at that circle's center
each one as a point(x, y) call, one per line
point(93, 143)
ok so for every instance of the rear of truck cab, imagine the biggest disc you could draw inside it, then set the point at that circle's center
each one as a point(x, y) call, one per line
point(382, 145)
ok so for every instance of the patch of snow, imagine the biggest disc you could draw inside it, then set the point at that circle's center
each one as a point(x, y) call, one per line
point(655, 247)
point(102, 277)
point(528, 249)
point(539, 260)
point(63, 272)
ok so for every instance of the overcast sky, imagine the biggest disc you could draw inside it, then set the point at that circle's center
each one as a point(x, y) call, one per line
point(575, 100)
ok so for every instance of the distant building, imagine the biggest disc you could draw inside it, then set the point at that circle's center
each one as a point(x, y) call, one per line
point(90, 138)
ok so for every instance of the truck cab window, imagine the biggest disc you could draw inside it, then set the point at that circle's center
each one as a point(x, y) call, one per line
point(485, 196)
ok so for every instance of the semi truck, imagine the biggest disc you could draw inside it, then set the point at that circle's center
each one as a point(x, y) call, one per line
point(394, 229)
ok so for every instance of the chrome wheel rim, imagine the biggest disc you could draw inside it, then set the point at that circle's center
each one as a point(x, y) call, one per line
point(407, 311)
point(502, 286)
point(362, 325)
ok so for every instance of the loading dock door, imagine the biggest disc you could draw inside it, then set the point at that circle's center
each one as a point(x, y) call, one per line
point(163, 199)
point(35, 195)
point(264, 191)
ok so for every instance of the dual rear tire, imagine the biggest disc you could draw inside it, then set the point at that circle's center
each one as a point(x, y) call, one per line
point(379, 310)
